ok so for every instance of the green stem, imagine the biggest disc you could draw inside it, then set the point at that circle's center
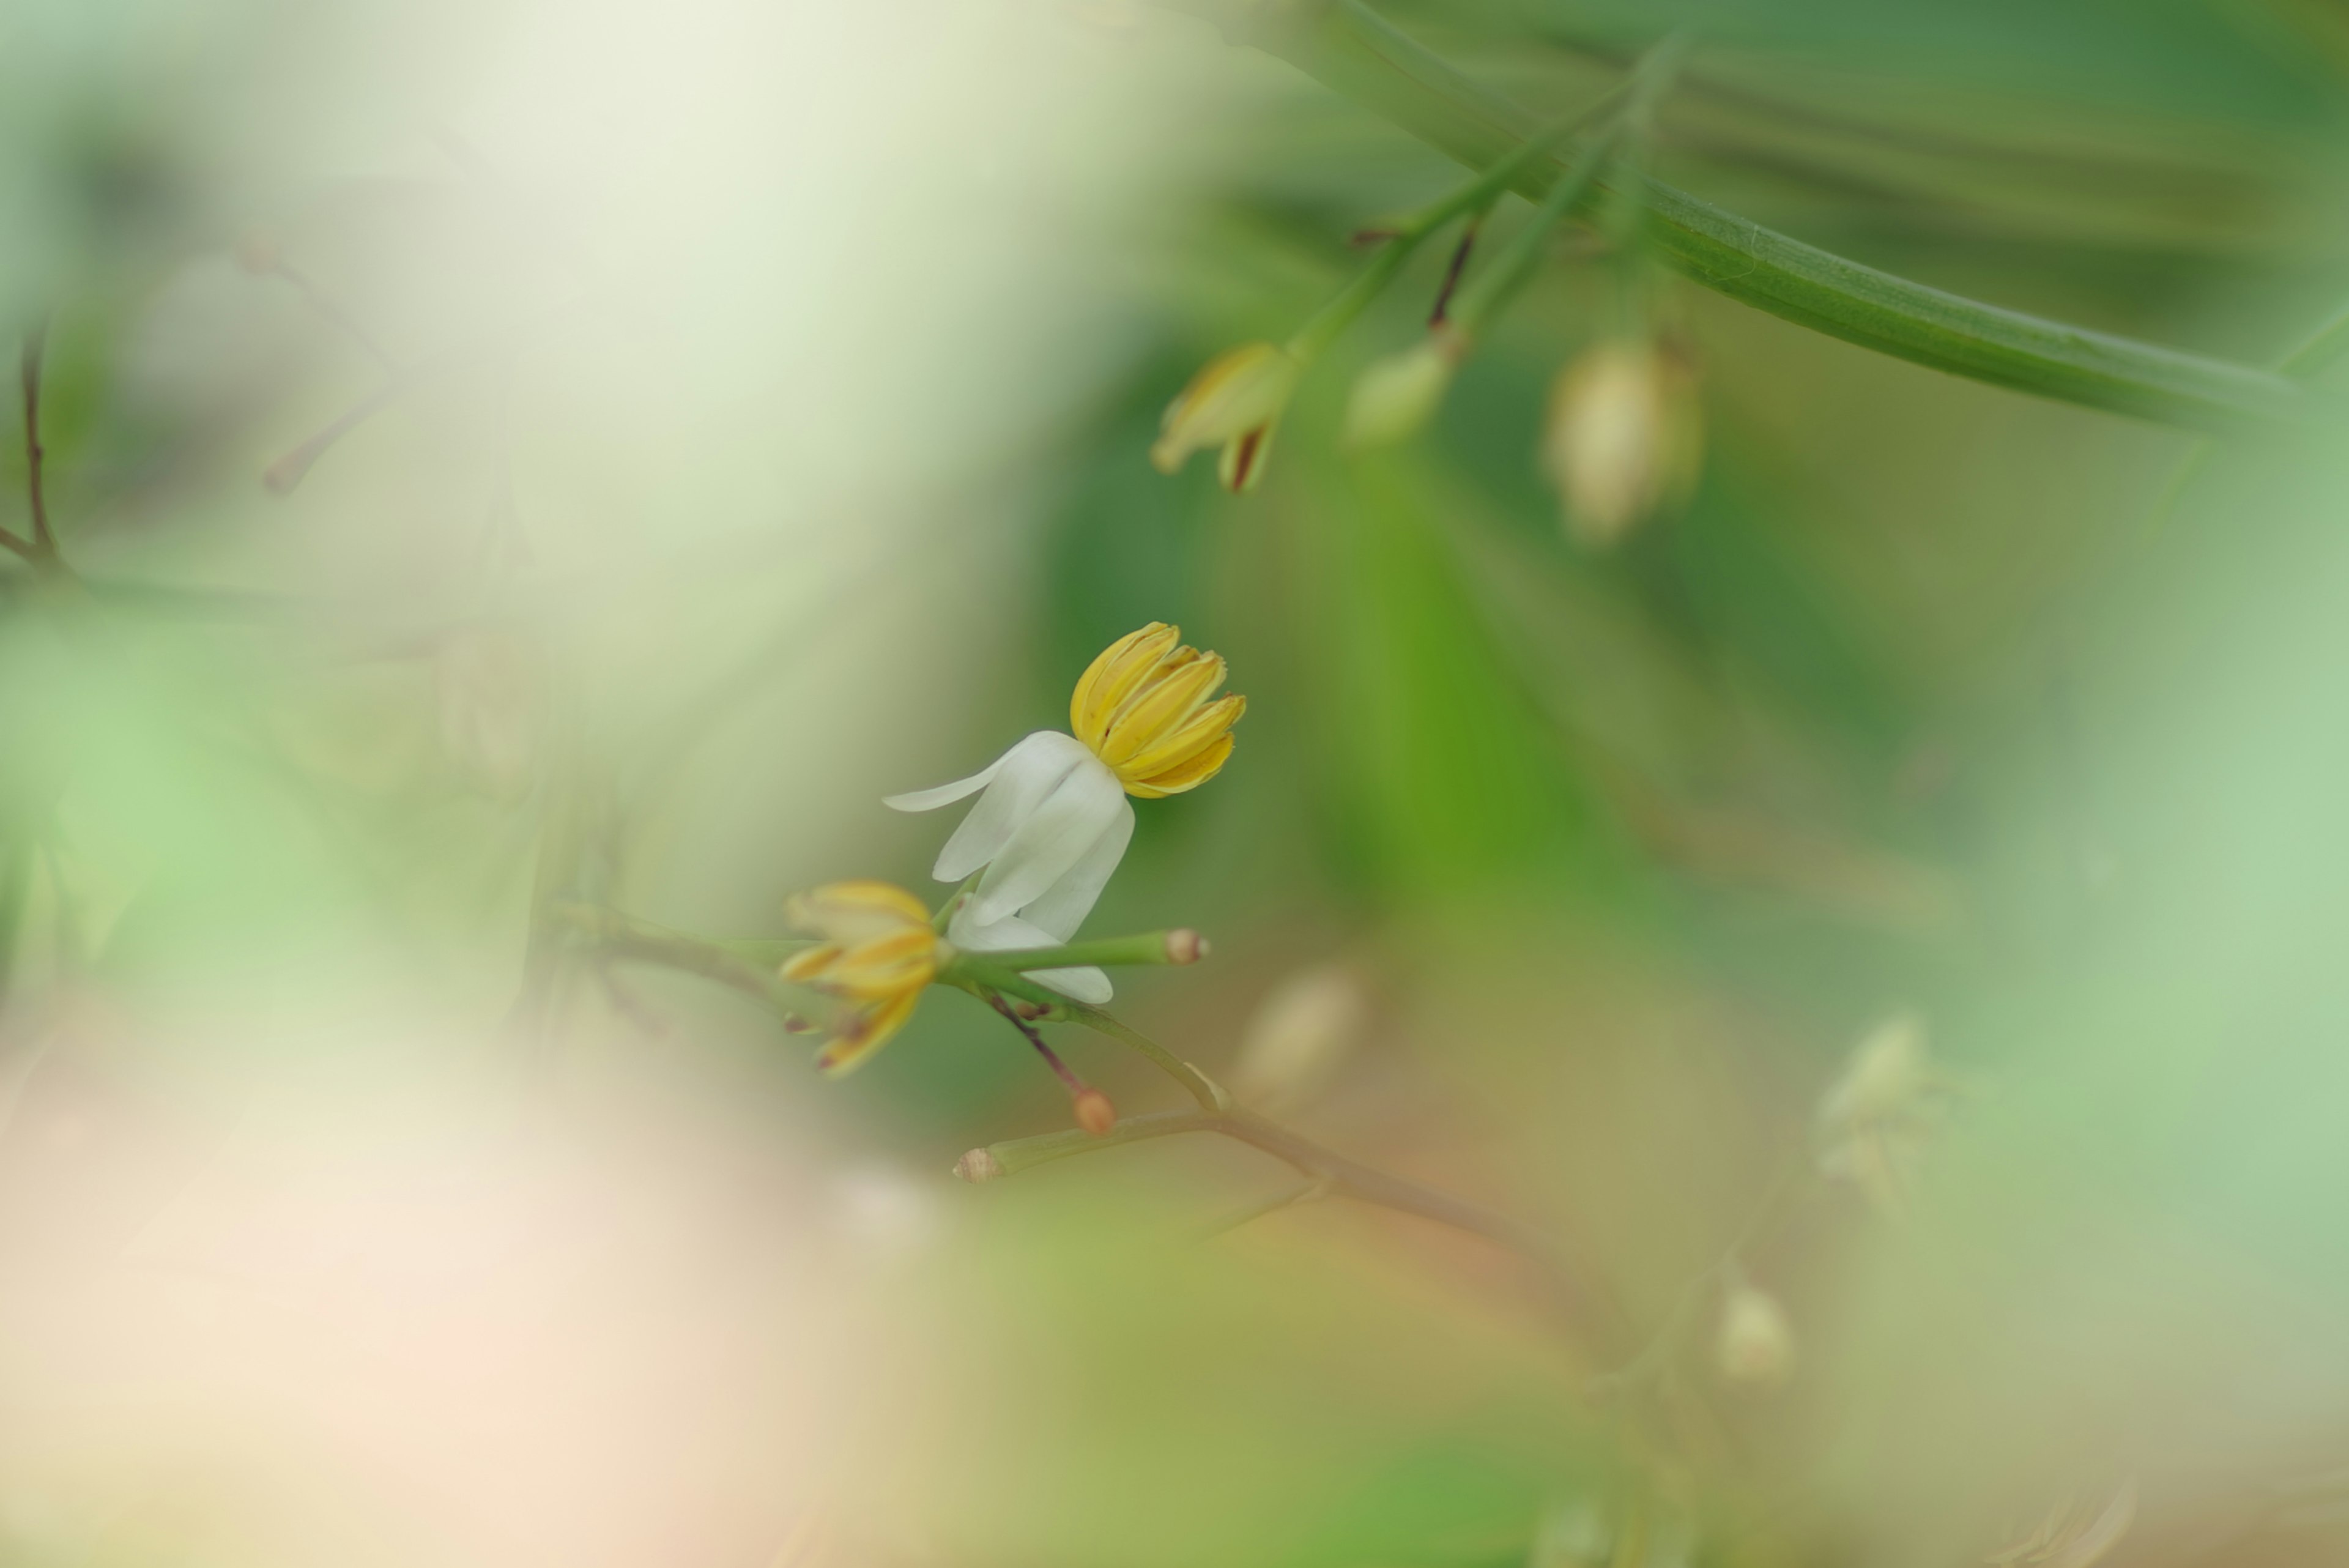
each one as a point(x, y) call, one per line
point(1407, 233)
point(1349, 302)
point(1512, 170)
point(1350, 48)
point(978, 976)
point(1485, 298)
point(1019, 1154)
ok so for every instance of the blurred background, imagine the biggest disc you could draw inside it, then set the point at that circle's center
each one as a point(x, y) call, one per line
point(1881, 914)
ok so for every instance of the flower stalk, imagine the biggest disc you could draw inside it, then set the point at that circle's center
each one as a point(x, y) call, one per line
point(1350, 49)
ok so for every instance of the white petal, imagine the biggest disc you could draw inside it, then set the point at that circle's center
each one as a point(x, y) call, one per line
point(946, 795)
point(1065, 906)
point(1087, 984)
point(1010, 934)
point(1024, 778)
point(1050, 842)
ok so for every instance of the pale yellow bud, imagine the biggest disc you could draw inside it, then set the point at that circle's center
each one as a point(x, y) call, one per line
point(1876, 1119)
point(1625, 436)
point(1299, 1036)
point(1234, 402)
point(1394, 397)
point(1754, 1345)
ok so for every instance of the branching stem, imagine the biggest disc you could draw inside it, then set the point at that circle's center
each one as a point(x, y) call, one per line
point(1352, 49)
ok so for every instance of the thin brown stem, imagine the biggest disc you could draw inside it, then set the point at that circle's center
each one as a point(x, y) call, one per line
point(1591, 1314)
point(44, 543)
point(1451, 273)
point(1061, 1069)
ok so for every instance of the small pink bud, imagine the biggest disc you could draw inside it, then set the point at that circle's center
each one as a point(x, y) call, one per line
point(1186, 945)
point(1094, 1113)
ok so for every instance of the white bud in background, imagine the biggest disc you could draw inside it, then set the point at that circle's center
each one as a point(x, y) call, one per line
point(490, 684)
point(1876, 1119)
point(1299, 1036)
point(1754, 1345)
point(1393, 397)
point(1625, 436)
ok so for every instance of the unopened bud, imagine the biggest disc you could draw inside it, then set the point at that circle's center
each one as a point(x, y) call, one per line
point(258, 251)
point(794, 1025)
point(1299, 1036)
point(1094, 1113)
point(1394, 397)
point(1890, 1074)
point(1186, 945)
point(978, 1165)
point(1624, 437)
point(1755, 1345)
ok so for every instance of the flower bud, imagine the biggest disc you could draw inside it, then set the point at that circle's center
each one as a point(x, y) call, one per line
point(1625, 436)
point(1394, 397)
point(1094, 1113)
point(1299, 1036)
point(1755, 1346)
point(1235, 402)
point(1876, 1120)
point(1186, 945)
point(976, 1166)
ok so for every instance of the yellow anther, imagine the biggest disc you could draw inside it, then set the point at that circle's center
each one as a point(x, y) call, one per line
point(1147, 707)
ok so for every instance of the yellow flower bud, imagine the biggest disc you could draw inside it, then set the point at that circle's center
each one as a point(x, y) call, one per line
point(1625, 436)
point(1235, 402)
point(879, 950)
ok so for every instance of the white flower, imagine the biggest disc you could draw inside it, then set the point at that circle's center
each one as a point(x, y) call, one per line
point(1053, 822)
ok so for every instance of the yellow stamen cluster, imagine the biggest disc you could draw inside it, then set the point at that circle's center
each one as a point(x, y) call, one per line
point(878, 952)
point(1147, 707)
